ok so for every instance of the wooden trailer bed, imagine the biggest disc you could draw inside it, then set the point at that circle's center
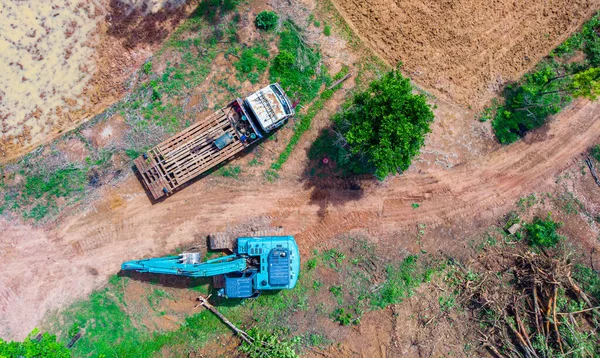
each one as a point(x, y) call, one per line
point(193, 151)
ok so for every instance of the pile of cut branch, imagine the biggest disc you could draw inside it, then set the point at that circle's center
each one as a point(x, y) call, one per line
point(533, 308)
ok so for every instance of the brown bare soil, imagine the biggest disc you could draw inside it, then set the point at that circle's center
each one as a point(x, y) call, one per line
point(74, 60)
point(465, 49)
point(415, 328)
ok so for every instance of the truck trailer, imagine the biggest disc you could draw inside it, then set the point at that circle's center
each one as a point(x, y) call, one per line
point(213, 140)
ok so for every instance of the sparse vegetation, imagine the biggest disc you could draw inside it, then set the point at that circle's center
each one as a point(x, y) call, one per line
point(232, 171)
point(402, 279)
point(447, 302)
point(252, 63)
point(37, 195)
point(527, 202)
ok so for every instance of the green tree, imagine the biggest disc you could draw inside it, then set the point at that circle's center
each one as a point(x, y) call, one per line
point(44, 346)
point(387, 123)
point(529, 103)
point(586, 84)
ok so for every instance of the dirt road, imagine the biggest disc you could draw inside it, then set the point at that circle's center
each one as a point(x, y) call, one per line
point(46, 269)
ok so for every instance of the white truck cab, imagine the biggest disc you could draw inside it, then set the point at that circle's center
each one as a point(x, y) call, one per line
point(270, 107)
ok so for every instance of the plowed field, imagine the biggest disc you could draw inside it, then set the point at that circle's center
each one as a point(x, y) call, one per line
point(465, 49)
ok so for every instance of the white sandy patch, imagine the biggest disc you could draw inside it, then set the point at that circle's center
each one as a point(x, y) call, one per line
point(152, 6)
point(46, 59)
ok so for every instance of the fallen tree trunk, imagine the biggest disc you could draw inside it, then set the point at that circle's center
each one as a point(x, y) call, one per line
point(203, 301)
point(340, 80)
point(590, 165)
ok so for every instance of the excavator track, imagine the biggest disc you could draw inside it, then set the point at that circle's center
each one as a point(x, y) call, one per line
point(227, 240)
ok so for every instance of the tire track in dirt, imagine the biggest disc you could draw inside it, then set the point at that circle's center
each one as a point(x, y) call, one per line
point(47, 269)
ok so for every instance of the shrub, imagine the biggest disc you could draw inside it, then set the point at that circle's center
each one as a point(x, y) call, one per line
point(387, 123)
point(345, 318)
point(595, 152)
point(327, 30)
point(266, 20)
point(268, 344)
point(586, 84)
point(283, 60)
point(543, 233)
point(147, 68)
point(591, 40)
point(297, 67)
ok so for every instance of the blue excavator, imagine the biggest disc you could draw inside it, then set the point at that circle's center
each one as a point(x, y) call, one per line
point(257, 263)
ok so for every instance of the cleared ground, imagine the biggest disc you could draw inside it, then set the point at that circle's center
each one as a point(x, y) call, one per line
point(465, 49)
point(463, 182)
point(44, 269)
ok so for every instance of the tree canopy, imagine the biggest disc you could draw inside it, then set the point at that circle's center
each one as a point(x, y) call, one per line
point(586, 84)
point(35, 346)
point(387, 123)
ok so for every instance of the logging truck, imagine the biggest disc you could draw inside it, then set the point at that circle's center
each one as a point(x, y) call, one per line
point(213, 140)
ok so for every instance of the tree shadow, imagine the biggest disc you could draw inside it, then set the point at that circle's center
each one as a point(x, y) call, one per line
point(173, 281)
point(331, 182)
point(182, 282)
point(138, 26)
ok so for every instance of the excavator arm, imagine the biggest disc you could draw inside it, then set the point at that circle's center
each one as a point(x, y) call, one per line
point(179, 265)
